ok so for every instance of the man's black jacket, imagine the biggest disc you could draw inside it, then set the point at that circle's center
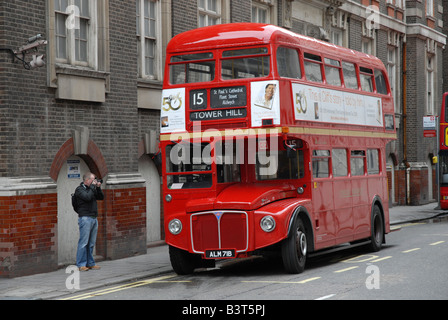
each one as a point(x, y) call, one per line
point(87, 197)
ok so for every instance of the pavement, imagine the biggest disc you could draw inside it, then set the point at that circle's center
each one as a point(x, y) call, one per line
point(155, 263)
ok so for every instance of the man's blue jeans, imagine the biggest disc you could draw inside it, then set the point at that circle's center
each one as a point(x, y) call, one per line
point(88, 228)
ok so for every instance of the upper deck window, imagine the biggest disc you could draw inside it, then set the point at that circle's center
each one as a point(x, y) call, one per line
point(189, 68)
point(312, 64)
point(350, 79)
point(380, 82)
point(288, 64)
point(245, 63)
point(366, 76)
point(332, 71)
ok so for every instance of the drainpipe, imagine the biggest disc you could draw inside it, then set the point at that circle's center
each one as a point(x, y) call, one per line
point(408, 186)
point(405, 151)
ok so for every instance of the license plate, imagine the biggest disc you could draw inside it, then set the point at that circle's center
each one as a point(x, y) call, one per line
point(220, 254)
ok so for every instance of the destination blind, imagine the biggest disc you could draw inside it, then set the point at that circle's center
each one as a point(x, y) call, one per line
point(225, 99)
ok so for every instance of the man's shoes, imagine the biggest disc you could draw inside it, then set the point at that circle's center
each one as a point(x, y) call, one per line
point(83, 269)
point(94, 267)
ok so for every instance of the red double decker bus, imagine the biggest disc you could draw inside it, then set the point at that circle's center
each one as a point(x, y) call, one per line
point(443, 153)
point(271, 140)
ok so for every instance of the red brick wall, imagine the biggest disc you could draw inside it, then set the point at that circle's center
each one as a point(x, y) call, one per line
point(28, 230)
point(419, 187)
point(400, 187)
point(28, 234)
point(124, 223)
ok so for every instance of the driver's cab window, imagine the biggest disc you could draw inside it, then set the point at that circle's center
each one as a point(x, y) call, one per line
point(284, 162)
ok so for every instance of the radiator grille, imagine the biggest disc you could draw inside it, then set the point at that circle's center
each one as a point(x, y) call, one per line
point(219, 230)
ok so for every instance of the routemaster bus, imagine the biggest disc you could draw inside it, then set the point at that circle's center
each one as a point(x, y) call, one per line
point(443, 153)
point(271, 141)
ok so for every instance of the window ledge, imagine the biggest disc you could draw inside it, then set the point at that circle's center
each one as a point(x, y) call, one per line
point(81, 71)
point(149, 83)
point(81, 83)
point(149, 94)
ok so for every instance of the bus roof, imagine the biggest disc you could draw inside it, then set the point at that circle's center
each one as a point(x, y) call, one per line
point(244, 34)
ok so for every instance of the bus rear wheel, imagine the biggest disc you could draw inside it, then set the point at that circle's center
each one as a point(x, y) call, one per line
point(294, 248)
point(377, 227)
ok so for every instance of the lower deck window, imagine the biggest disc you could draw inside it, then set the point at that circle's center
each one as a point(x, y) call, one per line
point(321, 163)
point(357, 162)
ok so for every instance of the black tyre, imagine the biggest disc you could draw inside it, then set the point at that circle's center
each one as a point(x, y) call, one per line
point(377, 229)
point(294, 248)
point(182, 261)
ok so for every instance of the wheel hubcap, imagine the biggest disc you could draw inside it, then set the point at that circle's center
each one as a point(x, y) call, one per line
point(301, 243)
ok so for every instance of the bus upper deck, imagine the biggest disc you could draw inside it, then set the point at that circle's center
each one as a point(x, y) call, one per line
point(230, 76)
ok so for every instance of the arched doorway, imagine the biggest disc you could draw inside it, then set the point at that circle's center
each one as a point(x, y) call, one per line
point(70, 176)
point(149, 172)
point(65, 163)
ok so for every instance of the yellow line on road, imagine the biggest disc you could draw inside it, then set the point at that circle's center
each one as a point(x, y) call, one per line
point(120, 288)
point(346, 269)
point(288, 282)
point(407, 225)
point(361, 258)
point(436, 243)
point(310, 279)
point(410, 250)
point(381, 259)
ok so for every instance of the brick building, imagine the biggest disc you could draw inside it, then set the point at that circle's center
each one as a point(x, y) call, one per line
point(95, 106)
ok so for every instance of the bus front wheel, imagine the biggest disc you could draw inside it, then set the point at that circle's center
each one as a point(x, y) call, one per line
point(294, 248)
point(182, 261)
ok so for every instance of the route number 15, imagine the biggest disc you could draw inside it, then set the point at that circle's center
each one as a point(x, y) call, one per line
point(198, 99)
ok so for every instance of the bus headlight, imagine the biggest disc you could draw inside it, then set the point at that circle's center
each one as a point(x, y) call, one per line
point(175, 226)
point(267, 224)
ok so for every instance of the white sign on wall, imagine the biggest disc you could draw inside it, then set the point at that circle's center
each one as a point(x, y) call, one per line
point(73, 169)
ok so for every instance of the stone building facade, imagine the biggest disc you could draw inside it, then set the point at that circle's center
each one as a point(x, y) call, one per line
point(95, 106)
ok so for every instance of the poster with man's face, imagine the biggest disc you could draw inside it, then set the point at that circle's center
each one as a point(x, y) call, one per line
point(265, 102)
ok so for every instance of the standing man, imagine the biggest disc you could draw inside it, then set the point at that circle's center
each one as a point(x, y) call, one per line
point(87, 193)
